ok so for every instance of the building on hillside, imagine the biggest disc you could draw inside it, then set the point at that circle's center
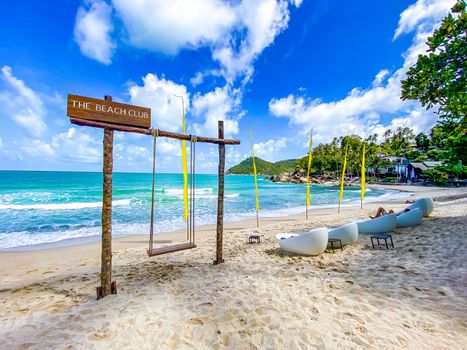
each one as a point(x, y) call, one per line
point(397, 166)
point(414, 170)
point(404, 169)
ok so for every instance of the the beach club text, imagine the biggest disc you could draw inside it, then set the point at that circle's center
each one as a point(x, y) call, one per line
point(108, 111)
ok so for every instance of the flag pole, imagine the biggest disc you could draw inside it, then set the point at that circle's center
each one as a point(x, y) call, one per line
point(363, 178)
point(307, 201)
point(255, 179)
point(341, 192)
point(184, 168)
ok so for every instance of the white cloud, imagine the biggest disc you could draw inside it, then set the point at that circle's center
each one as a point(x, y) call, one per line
point(158, 94)
point(22, 104)
point(235, 32)
point(296, 3)
point(134, 152)
point(353, 114)
point(262, 20)
point(1, 143)
point(361, 110)
point(358, 113)
point(139, 154)
point(422, 14)
point(77, 145)
point(138, 151)
point(232, 157)
point(418, 120)
point(93, 29)
point(200, 76)
point(379, 78)
point(169, 26)
point(268, 150)
point(219, 104)
point(197, 79)
point(37, 148)
point(169, 147)
point(71, 145)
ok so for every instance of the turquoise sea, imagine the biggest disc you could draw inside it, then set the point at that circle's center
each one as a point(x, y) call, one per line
point(64, 207)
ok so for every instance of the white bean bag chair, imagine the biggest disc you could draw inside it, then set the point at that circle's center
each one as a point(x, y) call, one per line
point(348, 234)
point(385, 223)
point(313, 242)
point(412, 217)
point(426, 205)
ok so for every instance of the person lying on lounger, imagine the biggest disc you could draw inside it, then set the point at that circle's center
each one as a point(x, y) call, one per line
point(381, 211)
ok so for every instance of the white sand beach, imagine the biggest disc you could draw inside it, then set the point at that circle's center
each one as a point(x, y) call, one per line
point(412, 297)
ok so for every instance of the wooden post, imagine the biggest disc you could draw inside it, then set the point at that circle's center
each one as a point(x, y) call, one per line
point(106, 287)
point(220, 197)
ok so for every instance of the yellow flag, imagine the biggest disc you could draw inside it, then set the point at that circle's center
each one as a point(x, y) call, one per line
point(341, 193)
point(363, 176)
point(184, 166)
point(308, 172)
point(254, 172)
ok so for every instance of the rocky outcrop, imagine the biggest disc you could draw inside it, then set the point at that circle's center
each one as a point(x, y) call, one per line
point(299, 177)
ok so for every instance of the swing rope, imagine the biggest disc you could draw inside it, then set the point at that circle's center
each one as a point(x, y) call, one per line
point(191, 212)
point(155, 134)
point(190, 202)
point(192, 187)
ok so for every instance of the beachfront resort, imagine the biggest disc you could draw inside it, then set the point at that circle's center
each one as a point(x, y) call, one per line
point(262, 174)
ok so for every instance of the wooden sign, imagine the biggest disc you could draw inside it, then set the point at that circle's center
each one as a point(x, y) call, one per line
point(107, 111)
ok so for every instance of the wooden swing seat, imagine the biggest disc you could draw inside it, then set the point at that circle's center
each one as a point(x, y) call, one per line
point(170, 248)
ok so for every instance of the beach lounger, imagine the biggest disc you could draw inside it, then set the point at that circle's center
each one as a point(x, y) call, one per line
point(426, 205)
point(385, 223)
point(313, 242)
point(412, 217)
point(348, 234)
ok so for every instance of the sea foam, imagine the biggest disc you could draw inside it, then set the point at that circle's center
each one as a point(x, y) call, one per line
point(61, 206)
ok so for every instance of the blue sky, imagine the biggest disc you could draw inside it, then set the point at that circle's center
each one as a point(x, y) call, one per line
point(279, 67)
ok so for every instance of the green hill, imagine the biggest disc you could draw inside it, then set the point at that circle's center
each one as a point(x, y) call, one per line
point(288, 165)
point(263, 167)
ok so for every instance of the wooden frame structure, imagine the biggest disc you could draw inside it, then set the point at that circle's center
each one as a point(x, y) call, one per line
point(107, 286)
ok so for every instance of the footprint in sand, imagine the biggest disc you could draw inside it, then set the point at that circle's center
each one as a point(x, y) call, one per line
point(206, 304)
point(401, 341)
point(360, 330)
point(337, 301)
point(196, 321)
point(98, 336)
point(315, 311)
point(23, 310)
point(244, 333)
point(406, 324)
point(425, 326)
